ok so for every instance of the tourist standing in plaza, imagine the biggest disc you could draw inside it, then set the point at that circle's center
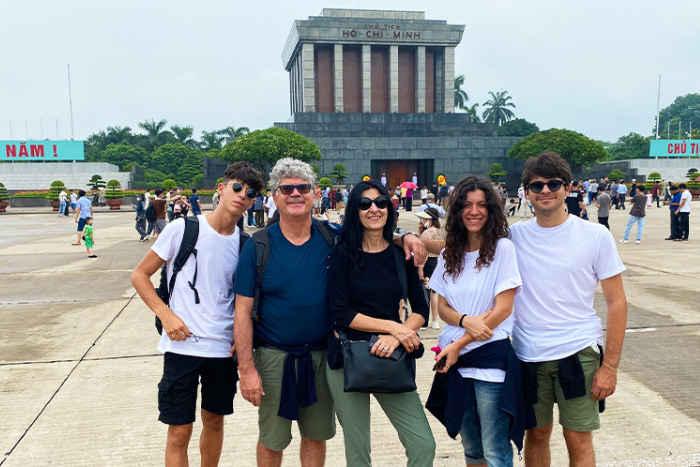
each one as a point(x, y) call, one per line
point(429, 229)
point(197, 336)
point(574, 201)
point(556, 330)
point(476, 280)
point(621, 193)
point(82, 212)
point(140, 209)
point(683, 213)
point(159, 206)
point(73, 200)
point(655, 192)
point(603, 203)
point(62, 202)
point(365, 294)
point(637, 214)
point(195, 203)
point(614, 194)
point(673, 203)
point(89, 237)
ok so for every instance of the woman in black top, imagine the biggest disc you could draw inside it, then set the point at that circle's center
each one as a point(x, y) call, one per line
point(365, 296)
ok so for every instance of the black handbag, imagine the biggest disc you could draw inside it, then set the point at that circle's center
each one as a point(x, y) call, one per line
point(368, 373)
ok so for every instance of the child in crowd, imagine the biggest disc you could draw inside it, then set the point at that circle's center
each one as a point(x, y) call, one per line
point(89, 237)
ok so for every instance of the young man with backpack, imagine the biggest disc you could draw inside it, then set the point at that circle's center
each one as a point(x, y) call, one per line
point(197, 320)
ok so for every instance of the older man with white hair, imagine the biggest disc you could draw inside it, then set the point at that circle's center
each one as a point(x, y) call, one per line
point(282, 353)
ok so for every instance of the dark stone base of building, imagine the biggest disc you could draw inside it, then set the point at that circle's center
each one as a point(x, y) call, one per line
point(401, 144)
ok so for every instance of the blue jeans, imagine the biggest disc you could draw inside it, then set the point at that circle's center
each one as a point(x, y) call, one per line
point(61, 207)
point(485, 426)
point(630, 223)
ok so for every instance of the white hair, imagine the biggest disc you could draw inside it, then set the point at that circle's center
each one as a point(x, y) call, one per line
point(291, 168)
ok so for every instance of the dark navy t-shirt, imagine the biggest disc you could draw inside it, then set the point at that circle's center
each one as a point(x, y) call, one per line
point(193, 202)
point(293, 308)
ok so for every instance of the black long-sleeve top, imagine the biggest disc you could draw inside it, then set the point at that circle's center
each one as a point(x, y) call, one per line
point(374, 290)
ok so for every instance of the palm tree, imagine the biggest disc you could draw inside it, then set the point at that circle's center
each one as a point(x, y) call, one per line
point(472, 112)
point(155, 131)
point(183, 135)
point(497, 111)
point(211, 140)
point(233, 132)
point(461, 97)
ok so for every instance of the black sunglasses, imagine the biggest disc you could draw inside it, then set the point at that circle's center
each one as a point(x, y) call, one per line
point(537, 187)
point(380, 201)
point(287, 190)
point(237, 187)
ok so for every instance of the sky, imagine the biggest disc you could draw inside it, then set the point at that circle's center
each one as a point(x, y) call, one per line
point(591, 66)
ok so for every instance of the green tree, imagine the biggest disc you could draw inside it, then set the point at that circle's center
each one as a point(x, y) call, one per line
point(3, 193)
point(183, 135)
point(114, 190)
point(170, 157)
point(96, 182)
point(616, 174)
point(155, 176)
point(461, 97)
point(324, 182)
point(169, 184)
point(497, 110)
point(517, 127)
point(692, 173)
point(191, 167)
point(631, 146)
point(56, 187)
point(472, 112)
point(123, 154)
point(574, 147)
point(155, 133)
point(211, 140)
point(233, 132)
point(495, 172)
point(263, 148)
point(654, 177)
point(316, 170)
point(339, 173)
point(685, 109)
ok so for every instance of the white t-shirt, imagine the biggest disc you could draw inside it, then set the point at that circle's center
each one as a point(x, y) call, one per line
point(561, 267)
point(688, 198)
point(271, 207)
point(73, 198)
point(473, 293)
point(147, 197)
point(212, 318)
point(521, 192)
point(424, 194)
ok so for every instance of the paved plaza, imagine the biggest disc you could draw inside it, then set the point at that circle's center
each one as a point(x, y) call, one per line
point(79, 367)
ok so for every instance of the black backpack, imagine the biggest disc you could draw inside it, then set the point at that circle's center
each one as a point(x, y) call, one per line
point(261, 242)
point(151, 214)
point(187, 247)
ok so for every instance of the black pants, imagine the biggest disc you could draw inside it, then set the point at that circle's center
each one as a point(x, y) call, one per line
point(260, 218)
point(604, 221)
point(674, 225)
point(409, 204)
point(621, 202)
point(656, 198)
point(683, 225)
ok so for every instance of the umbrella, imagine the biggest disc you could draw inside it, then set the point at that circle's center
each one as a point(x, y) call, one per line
point(409, 185)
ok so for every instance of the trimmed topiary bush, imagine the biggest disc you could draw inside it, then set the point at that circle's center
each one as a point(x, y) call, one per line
point(56, 187)
point(3, 193)
point(169, 184)
point(114, 190)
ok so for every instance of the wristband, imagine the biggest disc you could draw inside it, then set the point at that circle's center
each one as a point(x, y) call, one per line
point(461, 320)
point(407, 233)
point(612, 368)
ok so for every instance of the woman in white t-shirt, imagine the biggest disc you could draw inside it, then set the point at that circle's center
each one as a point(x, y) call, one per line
point(477, 279)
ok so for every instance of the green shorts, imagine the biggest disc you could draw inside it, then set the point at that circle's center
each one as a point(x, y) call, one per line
point(316, 422)
point(579, 414)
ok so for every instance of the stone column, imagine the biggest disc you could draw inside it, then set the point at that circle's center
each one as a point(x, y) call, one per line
point(449, 79)
point(393, 79)
point(420, 79)
point(308, 86)
point(440, 81)
point(338, 77)
point(367, 78)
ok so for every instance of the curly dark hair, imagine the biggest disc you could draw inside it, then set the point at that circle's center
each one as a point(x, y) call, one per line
point(456, 240)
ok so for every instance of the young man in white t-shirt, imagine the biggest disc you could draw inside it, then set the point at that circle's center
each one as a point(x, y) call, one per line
point(197, 337)
point(555, 323)
point(683, 213)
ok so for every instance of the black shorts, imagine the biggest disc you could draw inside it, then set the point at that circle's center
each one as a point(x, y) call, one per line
point(177, 391)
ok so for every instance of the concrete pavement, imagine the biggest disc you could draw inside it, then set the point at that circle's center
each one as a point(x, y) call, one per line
point(79, 369)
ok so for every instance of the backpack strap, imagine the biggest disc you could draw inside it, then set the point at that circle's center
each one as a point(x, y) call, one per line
point(329, 231)
point(187, 247)
point(243, 237)
point(261, 242)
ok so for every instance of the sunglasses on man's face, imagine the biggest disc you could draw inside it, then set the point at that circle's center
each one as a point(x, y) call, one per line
point(287, 190)
point(537, 187)
point(237, 187)
point(380, 201)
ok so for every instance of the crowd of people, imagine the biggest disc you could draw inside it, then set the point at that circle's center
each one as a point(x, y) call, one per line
point(319, 326)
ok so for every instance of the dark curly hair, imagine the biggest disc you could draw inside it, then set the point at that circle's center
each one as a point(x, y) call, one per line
point(456, 240)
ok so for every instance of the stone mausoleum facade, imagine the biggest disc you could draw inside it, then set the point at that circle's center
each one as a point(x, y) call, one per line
point(375, 90)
